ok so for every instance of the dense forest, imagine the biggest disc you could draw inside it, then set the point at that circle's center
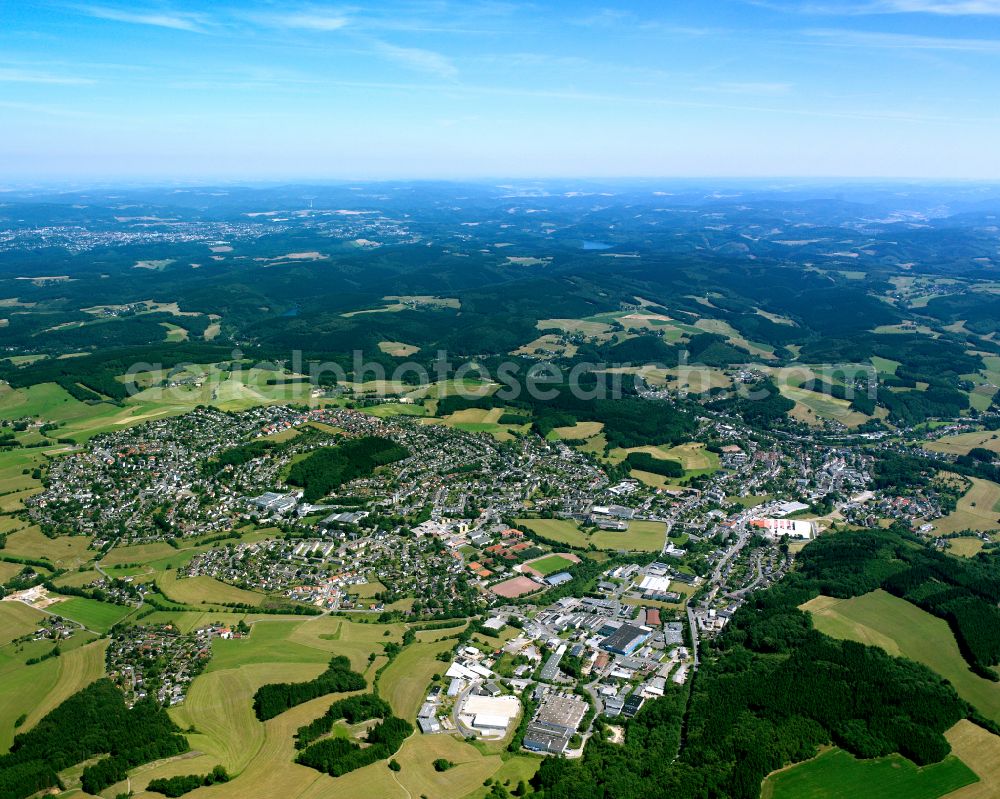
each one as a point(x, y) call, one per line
point(93, 723)
point(645, 462)
point(328, 468)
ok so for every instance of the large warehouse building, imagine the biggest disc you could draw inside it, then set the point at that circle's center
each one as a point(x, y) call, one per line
point(793, 528)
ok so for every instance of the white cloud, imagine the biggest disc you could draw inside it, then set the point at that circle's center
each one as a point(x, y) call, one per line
point(417, 59)
point(748, 87)
point(902, 41)
point(319, 21)
point(951, 8)
point(180, 21)
point(944, 7)
point(8, 75)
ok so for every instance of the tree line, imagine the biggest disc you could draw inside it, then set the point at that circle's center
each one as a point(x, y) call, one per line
point(273, 699)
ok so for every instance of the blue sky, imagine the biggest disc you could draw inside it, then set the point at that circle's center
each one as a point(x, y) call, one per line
point(157, 89)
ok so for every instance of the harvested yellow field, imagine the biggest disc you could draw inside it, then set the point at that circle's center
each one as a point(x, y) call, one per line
point(405, 683)
point(580, 430)
point(963, 442)
point(417, 776)
point(548, 345)
point(398, 349)
point(978, 509)
point(965, 547)
point(980, 751)
point(583, 326)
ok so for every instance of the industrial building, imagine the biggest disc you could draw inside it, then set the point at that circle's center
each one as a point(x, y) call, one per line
point(555, 722)
point(626, 639)
point(793, 528)
point(489, 716)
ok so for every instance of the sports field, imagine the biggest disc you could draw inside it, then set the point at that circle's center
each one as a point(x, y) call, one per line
point(550, 564)
point(903, 629)
point(835, 774)
point(640, 536)
point(978, 509)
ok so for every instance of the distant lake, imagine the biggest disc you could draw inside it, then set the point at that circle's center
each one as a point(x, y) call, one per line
point(597, 245)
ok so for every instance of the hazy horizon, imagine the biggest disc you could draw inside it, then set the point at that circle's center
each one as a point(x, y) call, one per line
point(186, 91)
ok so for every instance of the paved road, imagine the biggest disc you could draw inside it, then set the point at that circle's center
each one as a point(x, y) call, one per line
point(693, 623)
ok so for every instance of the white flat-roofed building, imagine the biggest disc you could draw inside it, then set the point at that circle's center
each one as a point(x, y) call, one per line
point(490, 715)
point(793, 528)
point(655, 585)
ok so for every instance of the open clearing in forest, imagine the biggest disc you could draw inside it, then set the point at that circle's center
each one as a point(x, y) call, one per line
point(836, 774)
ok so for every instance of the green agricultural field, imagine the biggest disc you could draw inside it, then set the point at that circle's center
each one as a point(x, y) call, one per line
point(884, 365)
point(406, 680)
point(550, 564)
point(17, 619)
point(835, 774)
point(812, 407)
point(13, 464)
point(750, 500)
point(395, 409)
point(77, 669)
point(66, 552)
point(640, 536)
point(904, 630)
point(24, 687)
point(204, 590)
point(94, 615)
